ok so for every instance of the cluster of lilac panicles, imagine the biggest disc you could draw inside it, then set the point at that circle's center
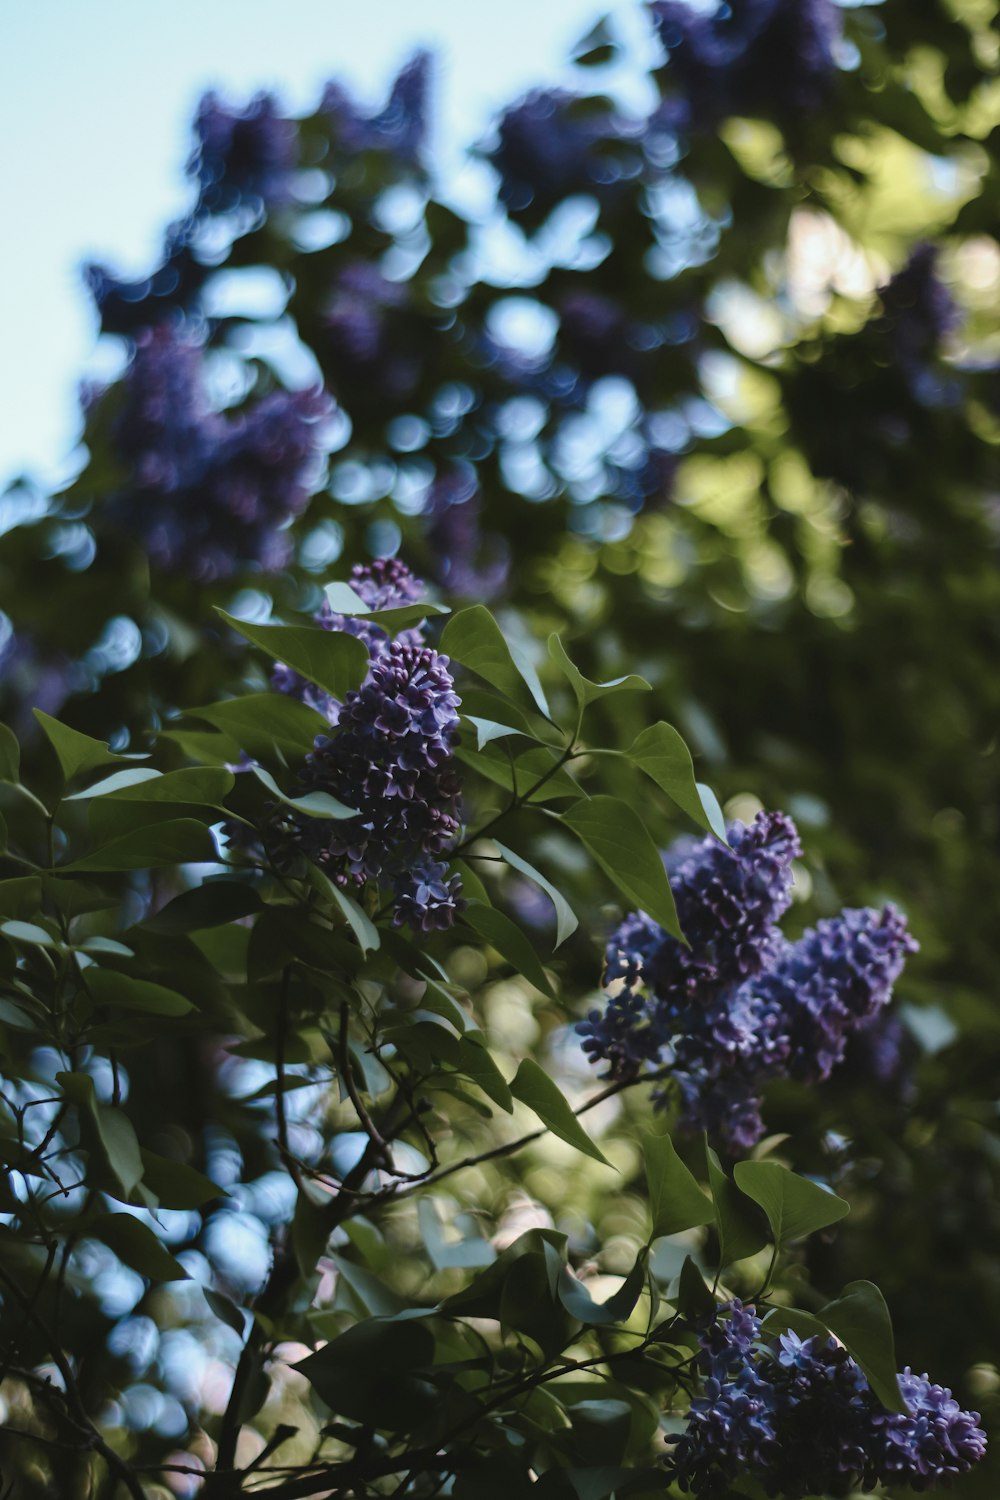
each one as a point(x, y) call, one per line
point(468, 564)
point(243, 157)
point(386, 583)
point(210, 495)
point(553, 144)
point(774, 58)
point(740, 1005)
point(399, 129)
point(801, 1418)
point(392, 758)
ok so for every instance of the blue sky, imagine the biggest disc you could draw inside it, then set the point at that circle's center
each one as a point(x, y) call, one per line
point(95, 104)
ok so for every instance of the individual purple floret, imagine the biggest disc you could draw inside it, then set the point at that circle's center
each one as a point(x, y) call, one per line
point(774, 58)
point(243, 158)
point(391, 757)
point(741, 1005)
point(800, 1416)
point(400, 128)
point(553, 144)
point(210, 495)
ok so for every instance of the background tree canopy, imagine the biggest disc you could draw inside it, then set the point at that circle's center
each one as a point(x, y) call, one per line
point(422, 573)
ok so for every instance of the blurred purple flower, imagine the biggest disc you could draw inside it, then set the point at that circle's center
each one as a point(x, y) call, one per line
point(207, 494)
point(774, 58)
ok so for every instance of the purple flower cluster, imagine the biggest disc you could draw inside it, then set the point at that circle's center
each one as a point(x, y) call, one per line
point(741, 1005)
point(773, 58)
point(207, 494)
point(243, 157)
point(399, 129)
point(802, 1418)
point(553, 144)
point(392, 758)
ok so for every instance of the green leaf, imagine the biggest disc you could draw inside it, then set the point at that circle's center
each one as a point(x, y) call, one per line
point(475, 1062)
point(367, 1373)
point(585, 691)
point(227, 1312)
point(28, 932)
point(534, 766)
point(694, 1296)
point(121, 1147)
point(566, 921)
point(662, 754)
point(262, 723)
point(360, 923)
point(175, 1184)
point(860, 1319)
point(108, 987)
point(312, 805)
point(737, 1223)
point(10, 755)
point(136, 1244)
point(21, 896)
point(333, 659)
point(117, 781)
point(676, 1202)
point(623, 847)
point(179, 841)
point(618, 1308)
point(216, 903)
point(533, 1087)
point(196, 785)
point(509, 941)
point(344, 601)
point(75, 752)
point(794, 1206)
point(488, 730)
point(473, 638)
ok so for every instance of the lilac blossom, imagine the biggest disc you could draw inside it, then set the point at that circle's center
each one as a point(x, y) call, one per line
point(741, 1005)
point(800, 1415)
point(209, 494)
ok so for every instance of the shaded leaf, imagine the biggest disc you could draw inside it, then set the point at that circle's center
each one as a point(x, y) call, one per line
point(794, 1206)
point(533, 1087)
point(136, 1244)
point(178, 841)
point(566, 920)
point(676, 1202)
point(509, 941)
point(662, 754)
point(333, 659)
point(623, 847)
point(585, 691)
